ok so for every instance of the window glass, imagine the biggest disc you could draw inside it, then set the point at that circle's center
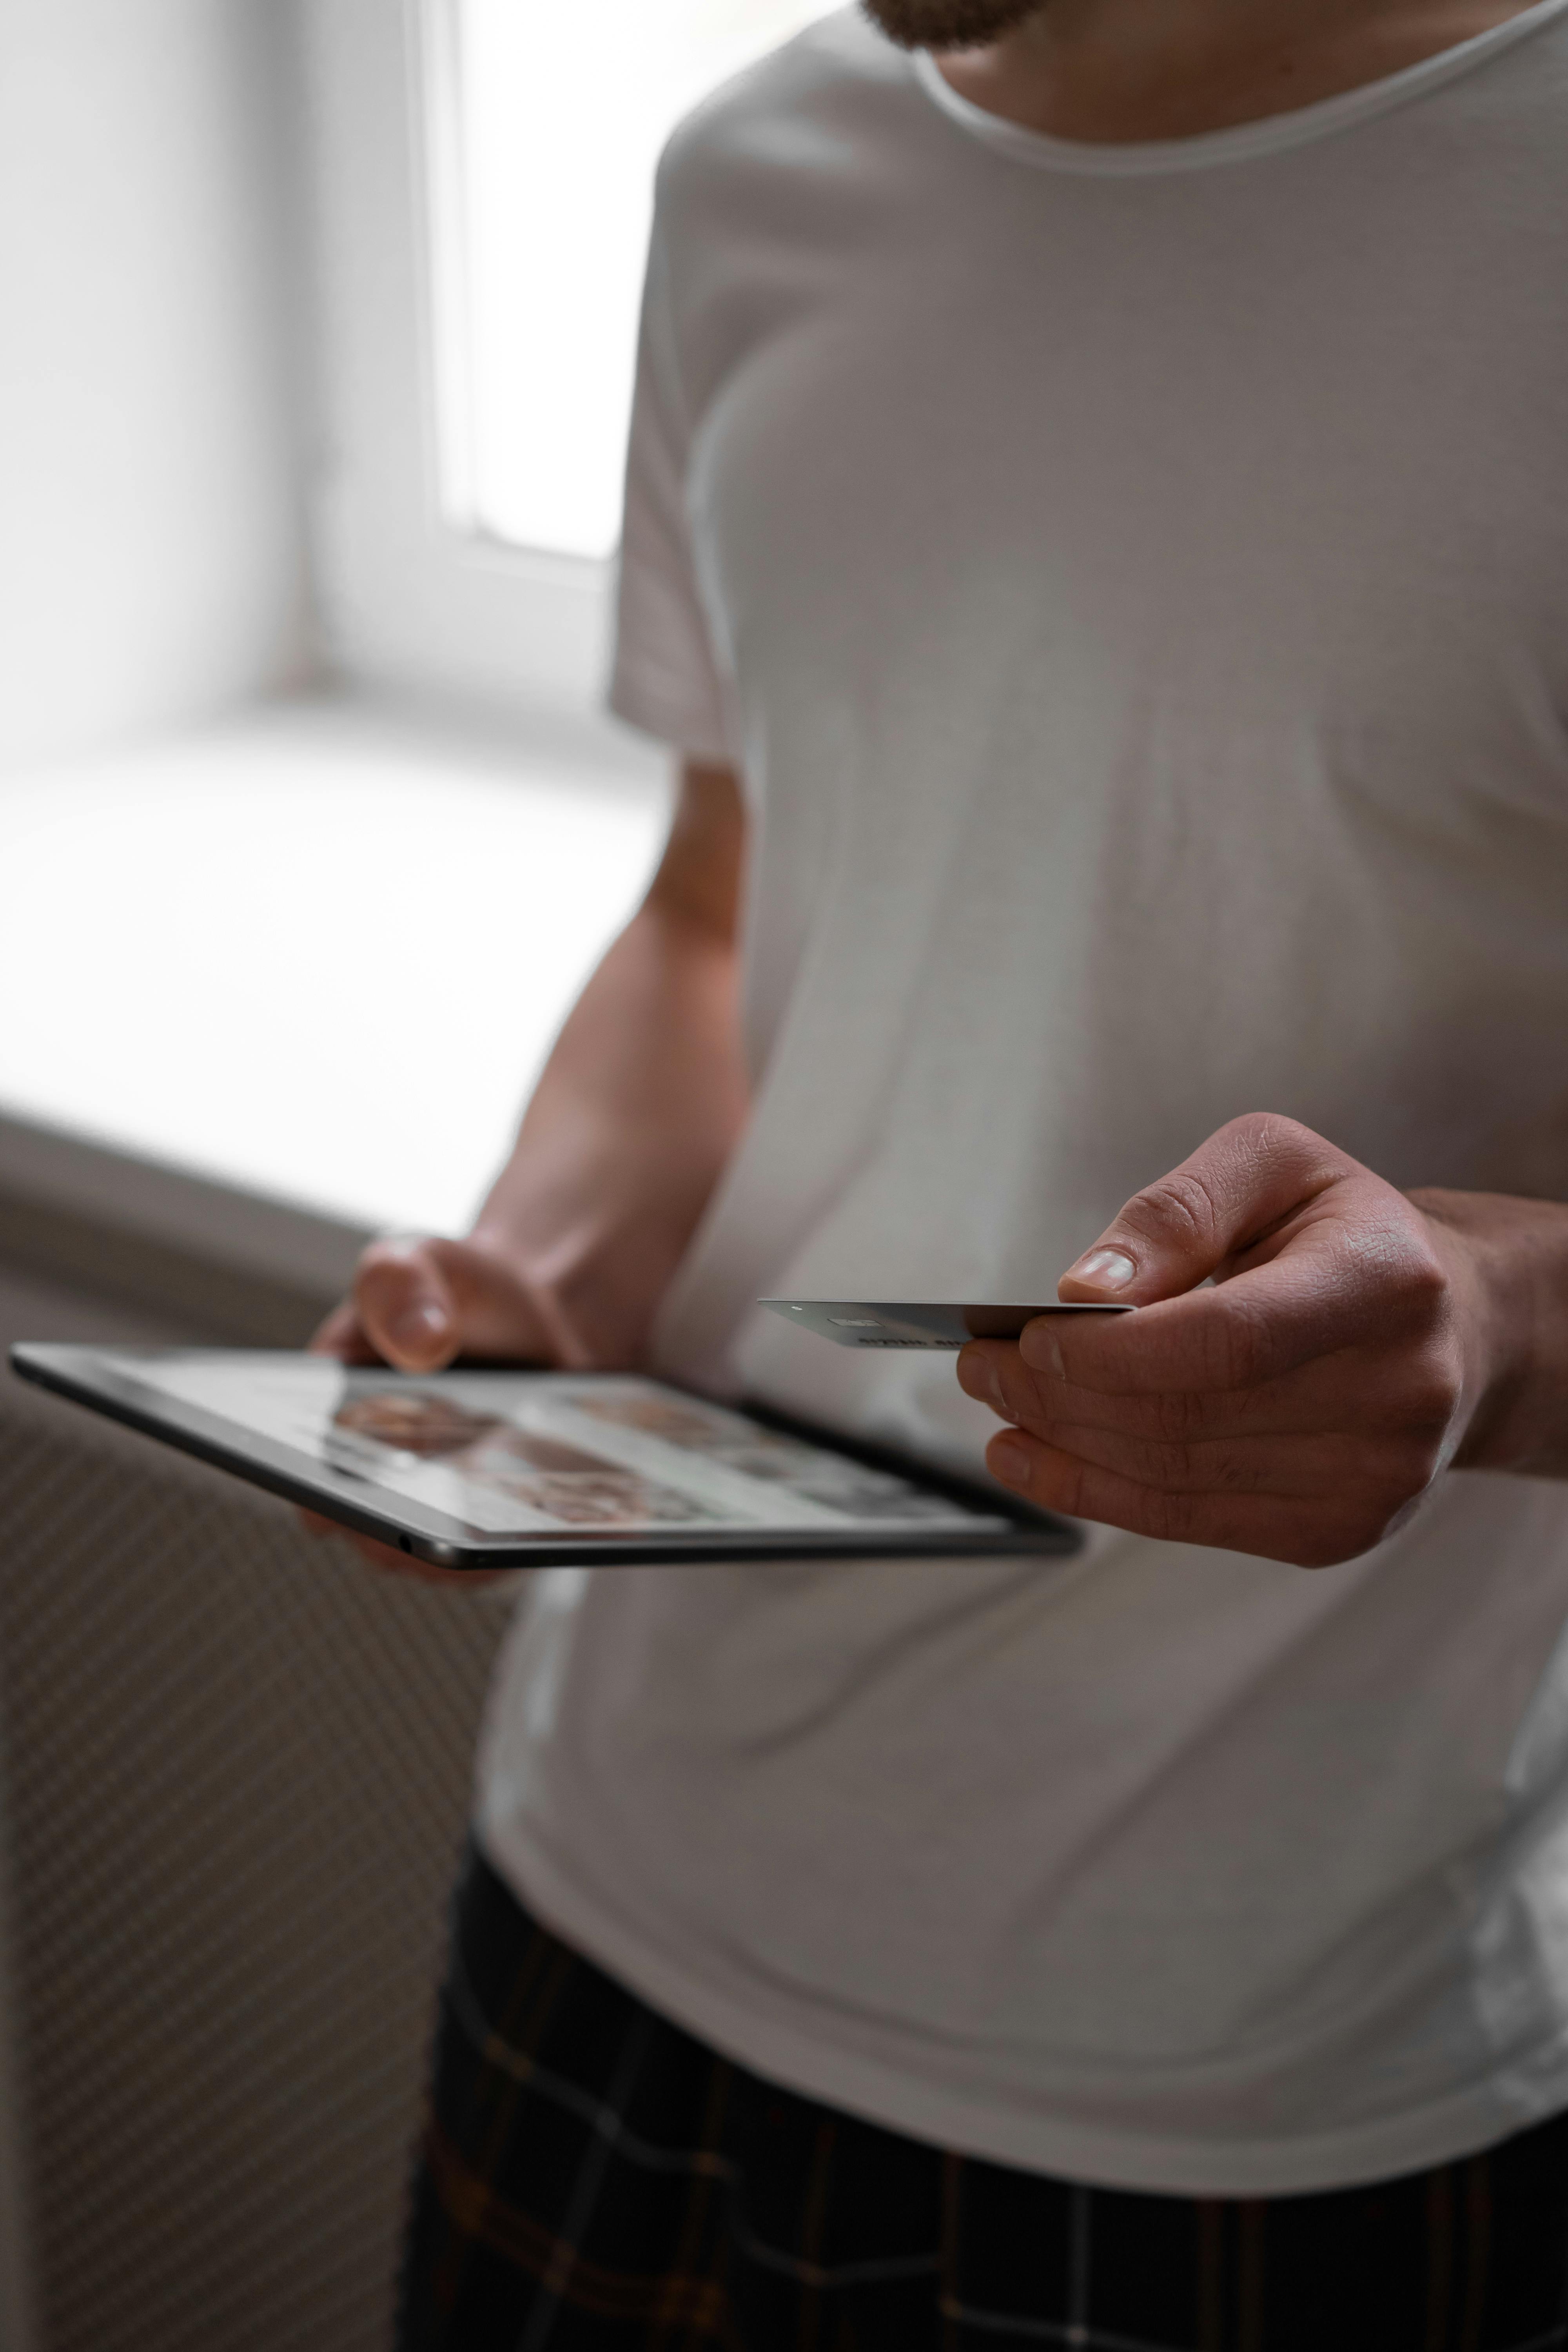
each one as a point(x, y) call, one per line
point(561, 111)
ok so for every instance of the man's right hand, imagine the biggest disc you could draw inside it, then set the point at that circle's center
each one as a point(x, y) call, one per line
point(418, 1303)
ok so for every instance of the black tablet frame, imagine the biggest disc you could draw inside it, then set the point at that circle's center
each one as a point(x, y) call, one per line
point(97, 1378)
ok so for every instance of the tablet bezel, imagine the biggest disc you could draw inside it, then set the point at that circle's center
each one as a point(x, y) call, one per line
point(94, 1377)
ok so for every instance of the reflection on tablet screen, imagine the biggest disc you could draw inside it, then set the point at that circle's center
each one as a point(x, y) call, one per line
point(562, 1454)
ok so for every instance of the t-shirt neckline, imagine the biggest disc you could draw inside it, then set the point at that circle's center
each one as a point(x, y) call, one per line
point(1241, 140)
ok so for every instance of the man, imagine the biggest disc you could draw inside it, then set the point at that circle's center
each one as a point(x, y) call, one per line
point(1097, 534)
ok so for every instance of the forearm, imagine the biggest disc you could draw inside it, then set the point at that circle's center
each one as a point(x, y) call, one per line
point(635, 1115)
point(1513, 1256)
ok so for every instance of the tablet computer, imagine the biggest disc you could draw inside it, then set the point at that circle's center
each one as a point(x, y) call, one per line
point(488, 1469)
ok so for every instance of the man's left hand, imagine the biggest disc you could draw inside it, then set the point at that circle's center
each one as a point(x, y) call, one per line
point(1301, 1406)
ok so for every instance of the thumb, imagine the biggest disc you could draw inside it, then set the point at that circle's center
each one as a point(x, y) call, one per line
point(405, 1305)
point(1248, 1177)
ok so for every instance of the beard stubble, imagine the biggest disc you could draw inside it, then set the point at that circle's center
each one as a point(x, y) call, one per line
point(948, 24)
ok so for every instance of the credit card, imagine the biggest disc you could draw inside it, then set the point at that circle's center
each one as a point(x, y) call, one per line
point(924, 1323)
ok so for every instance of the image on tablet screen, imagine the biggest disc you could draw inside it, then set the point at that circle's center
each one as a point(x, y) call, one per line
point(557, 1454)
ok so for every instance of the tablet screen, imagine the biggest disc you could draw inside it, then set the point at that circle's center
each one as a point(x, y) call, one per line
point(553, 1454)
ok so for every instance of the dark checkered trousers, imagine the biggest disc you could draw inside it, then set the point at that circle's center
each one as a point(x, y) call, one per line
point(592, 2178)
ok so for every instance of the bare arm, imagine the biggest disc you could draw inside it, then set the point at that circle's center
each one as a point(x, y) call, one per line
point(637, 1109)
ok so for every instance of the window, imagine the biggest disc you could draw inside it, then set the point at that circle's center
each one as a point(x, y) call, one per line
point(483, 174)
point(561, 108)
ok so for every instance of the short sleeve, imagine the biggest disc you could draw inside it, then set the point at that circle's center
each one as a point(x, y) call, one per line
point(663, 678)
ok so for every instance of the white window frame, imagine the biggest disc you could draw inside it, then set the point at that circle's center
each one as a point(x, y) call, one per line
point(412, 592)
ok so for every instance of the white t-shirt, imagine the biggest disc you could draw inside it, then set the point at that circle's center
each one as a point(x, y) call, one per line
point(1134, 583)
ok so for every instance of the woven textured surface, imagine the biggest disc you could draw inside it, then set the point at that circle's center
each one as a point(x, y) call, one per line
point(237, 1775)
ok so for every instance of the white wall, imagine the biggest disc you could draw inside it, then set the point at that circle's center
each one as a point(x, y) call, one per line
point(151, 549)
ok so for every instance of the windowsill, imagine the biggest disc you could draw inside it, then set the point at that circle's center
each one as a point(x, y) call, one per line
point(289, 980)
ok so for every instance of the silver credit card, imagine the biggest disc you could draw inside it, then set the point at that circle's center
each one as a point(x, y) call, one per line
point(925, 1323)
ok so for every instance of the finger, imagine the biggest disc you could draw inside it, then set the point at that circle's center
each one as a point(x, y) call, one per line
point(379, 1555)
point(342, 1335)
point(387, 1561)
point(1379, 1390)
point(1293, 1438)
point(404, 1307)
point(422, 1302)
point(1257, 1330)
point(1335, 1465)
point(391, 1563)
point(1259, 1326)
point(1233, 1190)
point(1306, 1533)
point(994, 1373)
point(500, 1312)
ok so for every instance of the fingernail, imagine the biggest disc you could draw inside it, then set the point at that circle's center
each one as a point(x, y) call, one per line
point(1108, 1269)
point(977, 1377)
point(1009, 1459)
point(1041, 1350)
point(426, 1322)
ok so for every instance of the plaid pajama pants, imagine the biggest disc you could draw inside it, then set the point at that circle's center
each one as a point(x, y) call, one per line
point(593, 2178)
